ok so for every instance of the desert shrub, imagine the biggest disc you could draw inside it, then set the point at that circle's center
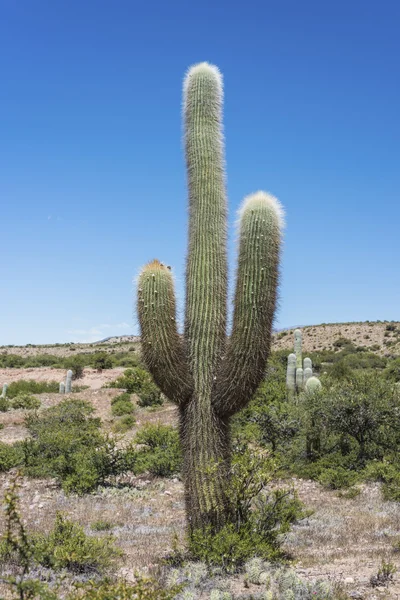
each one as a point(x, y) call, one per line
point(366, 409)
point(25, 401)
point(76, 364)
point(392, 371)
point(159, 453)
point(11, 361)
point(124, 424)
point(101, 360)
point(66, 443)
point(41, 360)
point(5, 404)
point(122, 405)
point(138, 381)
point(102, 526)
point(341, 342)
point(259, 516)
point(28, 386)
point(337, 478)
point(10, 456)
point(364, 360)
point(389, 474)
point(340, 370)
point(68, 547)
point(142, 589)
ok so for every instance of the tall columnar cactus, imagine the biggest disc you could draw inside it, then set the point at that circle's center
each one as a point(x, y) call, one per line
point(4, 391)
point(297, 348)
point(307, 363)
point(208, 375)
point(291, 374)
point(68, 382)
point(62, 387)
point(299, 378)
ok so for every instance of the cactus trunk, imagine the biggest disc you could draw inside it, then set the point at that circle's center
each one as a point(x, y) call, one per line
point(206, 452)
point(209, 375)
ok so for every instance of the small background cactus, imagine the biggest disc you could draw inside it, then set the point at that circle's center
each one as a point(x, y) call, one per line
point(68, 382)
point(298, 371)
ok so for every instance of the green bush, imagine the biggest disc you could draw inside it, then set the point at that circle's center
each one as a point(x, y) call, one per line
point(337, 478)
point(392, 371)
point(68, 547)
point(259, 516)
point(41, 360)
point(29, 386)
point(66, 443)
point(76, 364)
point(25, 401)
point(10, 456)
point(101, 360)
point(124, 424)
point(11, 361)
point(138, 381)
point(159, 454)
point(5, 404)
point(122, 405)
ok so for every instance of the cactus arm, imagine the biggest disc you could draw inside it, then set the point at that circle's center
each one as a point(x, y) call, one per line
point(206, 268)
point(261, 224)
point(162, 347)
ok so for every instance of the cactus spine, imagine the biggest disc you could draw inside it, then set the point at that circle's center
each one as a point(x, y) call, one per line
point(62, 388)
point(209, 376)
point(68, 382)
point(4, 391)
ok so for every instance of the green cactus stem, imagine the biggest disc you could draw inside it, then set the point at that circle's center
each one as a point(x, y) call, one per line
point(307, 363)
point(4, 391)
point(211, 376)
point(307, 373)
point(291, 374)
point(297, 347)
point(299, 378)
point(62, 388)
point(68, 382)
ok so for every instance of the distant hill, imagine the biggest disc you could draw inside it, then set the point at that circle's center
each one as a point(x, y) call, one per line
point(381, 337)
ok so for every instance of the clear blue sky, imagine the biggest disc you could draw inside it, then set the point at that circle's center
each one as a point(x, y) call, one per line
point(92, 180)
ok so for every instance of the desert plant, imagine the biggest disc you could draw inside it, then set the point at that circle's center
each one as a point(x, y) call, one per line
point(159, 453)
point(209, 376)
point(122, 405)
point(68, 382)
point(25, 401)
point(298, 338)
point(68, 547)
point(291, 374)
point(62, 387)
point(4, 391)
point(66, 443)
point(29, 386)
